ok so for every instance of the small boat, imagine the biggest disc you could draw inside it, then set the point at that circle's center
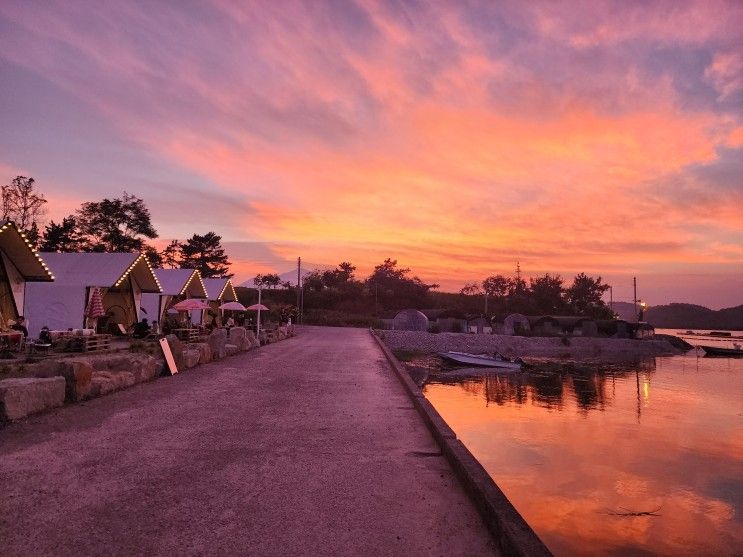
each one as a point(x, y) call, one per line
point(481, 360)
point(735, 351)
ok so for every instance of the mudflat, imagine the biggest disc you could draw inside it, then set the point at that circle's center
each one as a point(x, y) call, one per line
point(306, 447)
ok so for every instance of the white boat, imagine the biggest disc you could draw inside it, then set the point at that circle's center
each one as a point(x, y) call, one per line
point(481, 360)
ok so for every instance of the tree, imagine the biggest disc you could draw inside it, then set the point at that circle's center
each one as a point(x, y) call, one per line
point(470, 289)
point(395, 289)
point(170, 257)
point(339, 276)
point(62, 237)
point(120, 224)
point(153, 256)
point(547, 294)
point(269, 280)
point(206, 254)
point(584, 297)
point(22, 204)
point(496, 286)
point(313, 281)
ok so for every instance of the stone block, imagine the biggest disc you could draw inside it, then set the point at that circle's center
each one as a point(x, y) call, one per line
point(190, 357)
point(176, 347)
point(77, 375)
point(253, 339)
point(217, 340)
point(104, 382)
point(205, 351)
point(231, 349)
point(239, 337)
point(29, 395)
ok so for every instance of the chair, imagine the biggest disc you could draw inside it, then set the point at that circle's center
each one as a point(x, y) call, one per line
point(37, 346)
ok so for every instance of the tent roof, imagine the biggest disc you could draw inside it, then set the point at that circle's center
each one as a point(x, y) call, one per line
point(220, 289)
point(101, 269)
point(175, 282)
point(13, 243)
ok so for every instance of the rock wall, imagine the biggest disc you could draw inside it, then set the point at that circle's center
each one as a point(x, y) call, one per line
point(593, 349)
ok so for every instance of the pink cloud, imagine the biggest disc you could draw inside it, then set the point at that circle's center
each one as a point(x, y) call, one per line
point(373, 132)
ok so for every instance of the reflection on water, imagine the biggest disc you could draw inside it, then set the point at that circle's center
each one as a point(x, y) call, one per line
point(576, 451)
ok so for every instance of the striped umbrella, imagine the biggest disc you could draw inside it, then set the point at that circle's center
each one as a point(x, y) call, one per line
point(95, 305)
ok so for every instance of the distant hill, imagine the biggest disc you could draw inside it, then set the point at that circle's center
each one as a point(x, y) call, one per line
point(685, 316)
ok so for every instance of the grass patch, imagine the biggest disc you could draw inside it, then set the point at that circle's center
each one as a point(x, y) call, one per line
point(407, 355)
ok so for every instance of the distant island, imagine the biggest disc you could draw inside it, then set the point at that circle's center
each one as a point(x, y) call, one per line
point(685, 316)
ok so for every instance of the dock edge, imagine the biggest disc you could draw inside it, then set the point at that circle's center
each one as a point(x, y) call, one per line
point(511, 533)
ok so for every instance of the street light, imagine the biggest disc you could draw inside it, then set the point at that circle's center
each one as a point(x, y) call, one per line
point(643, 307)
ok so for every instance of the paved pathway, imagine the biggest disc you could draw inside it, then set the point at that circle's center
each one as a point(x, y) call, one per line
point(305, 447)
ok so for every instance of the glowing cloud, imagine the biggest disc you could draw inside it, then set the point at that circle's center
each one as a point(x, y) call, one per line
point(570, 139)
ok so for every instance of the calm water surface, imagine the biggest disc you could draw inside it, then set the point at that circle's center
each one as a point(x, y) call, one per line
point(575, 450)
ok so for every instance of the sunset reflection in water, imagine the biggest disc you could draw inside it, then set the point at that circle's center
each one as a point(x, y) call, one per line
point(575, 450)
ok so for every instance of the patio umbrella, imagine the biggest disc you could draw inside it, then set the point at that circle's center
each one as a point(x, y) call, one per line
point(190, 305)
point(95, 307)
point(258, 307)
point(234, 306)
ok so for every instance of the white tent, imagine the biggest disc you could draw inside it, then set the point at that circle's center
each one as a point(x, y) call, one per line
point(121, 278)
point(19, 264)
point(177, 285)
point(219, 290)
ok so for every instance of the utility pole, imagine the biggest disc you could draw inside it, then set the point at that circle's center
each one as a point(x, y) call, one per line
point(634, 288)
point(611, 299)
point(299, 284)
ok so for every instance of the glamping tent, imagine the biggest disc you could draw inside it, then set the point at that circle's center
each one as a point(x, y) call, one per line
point(19, 264)
point(218, 290)
point(177, 285)
point(122, 278)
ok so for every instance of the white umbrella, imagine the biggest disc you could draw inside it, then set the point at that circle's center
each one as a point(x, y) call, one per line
point(258, 307)
point(234, 306)
point(191, 305)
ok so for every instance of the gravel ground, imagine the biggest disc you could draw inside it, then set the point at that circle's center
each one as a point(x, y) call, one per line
point(579, 349)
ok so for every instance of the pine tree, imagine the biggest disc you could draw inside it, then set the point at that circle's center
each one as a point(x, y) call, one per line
point(206, 254)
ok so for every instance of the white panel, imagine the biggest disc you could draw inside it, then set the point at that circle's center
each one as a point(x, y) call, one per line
point(56, 306)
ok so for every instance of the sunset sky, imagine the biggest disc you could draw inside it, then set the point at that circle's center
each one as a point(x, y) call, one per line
point(456, 137)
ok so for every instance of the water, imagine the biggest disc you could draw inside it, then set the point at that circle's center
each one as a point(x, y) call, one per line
point(576, 451)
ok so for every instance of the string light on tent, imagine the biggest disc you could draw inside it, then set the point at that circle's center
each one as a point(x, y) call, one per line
point(29, 245)
point(131, 268)
point(195, 273)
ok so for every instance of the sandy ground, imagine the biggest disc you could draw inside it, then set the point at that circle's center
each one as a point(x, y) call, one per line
point(305, 447)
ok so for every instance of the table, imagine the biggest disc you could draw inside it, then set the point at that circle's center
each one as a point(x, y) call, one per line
point(8, 338)
point(186, 335)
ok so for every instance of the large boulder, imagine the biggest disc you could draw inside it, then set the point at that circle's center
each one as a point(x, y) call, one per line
point(253, 340)
point(204, 350)
point(190, 357)
point(217, 340)
point(239, 337)
point(176, 347)
point(231, 349)
point(104, 382)
point(142, 366)
point(77, 375)
point(28, 395)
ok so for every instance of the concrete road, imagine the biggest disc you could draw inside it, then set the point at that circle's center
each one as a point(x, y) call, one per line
point(305, 447)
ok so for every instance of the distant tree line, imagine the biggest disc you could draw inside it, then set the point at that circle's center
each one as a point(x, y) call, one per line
point(391, 287)
point(122, 224)
point(543, 295)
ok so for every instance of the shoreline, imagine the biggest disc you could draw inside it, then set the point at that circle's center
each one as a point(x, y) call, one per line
point(580, 349)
